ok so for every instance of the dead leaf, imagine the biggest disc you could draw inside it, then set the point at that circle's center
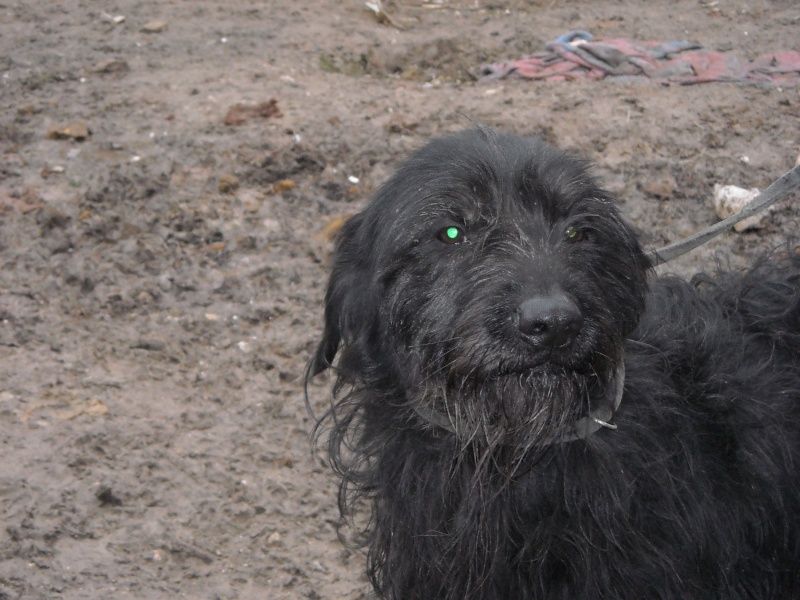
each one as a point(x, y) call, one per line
point(331, 230)
point(77, 130)
point(284, 185)
point(239, 114)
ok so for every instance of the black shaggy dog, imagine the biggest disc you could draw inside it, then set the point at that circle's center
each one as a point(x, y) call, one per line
point(523, 412)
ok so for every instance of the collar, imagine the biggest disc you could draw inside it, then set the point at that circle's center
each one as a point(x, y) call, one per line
point(581, 429)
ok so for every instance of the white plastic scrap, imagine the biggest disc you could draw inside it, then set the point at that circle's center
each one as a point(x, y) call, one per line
point(730, 199)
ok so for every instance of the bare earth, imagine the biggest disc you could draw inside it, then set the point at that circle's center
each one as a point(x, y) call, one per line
point(161, 279)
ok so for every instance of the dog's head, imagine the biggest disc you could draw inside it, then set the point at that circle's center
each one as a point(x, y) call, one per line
point(487, 290)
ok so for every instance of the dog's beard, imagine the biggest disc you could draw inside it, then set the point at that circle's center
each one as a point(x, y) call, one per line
point(526, 410)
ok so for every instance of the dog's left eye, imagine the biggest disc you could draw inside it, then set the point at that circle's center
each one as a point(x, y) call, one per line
point(452, 235)
point(573, 234)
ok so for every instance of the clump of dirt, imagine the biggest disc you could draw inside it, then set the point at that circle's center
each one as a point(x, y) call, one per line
point(162, 272)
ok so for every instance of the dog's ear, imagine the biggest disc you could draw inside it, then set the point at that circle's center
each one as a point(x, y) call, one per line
point(347, 306)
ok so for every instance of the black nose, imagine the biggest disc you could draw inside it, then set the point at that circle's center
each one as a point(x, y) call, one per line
point(549, 321)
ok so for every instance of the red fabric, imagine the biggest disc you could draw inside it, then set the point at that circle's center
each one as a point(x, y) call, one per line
point(675, 62)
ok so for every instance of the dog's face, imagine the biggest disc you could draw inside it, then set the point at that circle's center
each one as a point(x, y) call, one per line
point(487, 288)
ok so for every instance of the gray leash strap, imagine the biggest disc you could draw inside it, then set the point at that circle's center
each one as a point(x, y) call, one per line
point(779, 189)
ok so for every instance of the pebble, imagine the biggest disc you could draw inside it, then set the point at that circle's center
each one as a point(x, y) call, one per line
point(662, 188)
point(228, 183)
point(274, 539)
point(154, 27)
point(114, 65)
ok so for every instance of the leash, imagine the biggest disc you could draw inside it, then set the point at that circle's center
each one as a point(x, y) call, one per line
point(779, 189)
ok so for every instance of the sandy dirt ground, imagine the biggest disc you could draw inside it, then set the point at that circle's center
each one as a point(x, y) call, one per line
point(169, 175)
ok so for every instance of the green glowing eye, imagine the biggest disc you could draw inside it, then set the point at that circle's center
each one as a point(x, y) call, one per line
point(451, 235)
point(573, 235)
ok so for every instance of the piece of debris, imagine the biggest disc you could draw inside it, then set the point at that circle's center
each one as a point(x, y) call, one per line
point(151, 345)
point(239, 114)
point(154, 27)
point(113, 19)
point(401, 124)
point(662, 188)
point(380, 14)
point(284, 185)
point(730, 200)
point(77, 130)
point(27, 110)
point(67, 410)
point(47, 171)
point(115, 66)
point(227, 183)
point(106, 496)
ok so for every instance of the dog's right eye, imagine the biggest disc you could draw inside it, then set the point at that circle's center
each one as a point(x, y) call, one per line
point(452, 235)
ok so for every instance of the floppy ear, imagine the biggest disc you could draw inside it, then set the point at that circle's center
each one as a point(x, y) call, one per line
point(347, 308)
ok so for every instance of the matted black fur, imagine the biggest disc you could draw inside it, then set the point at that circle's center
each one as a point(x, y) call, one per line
point(488, 307)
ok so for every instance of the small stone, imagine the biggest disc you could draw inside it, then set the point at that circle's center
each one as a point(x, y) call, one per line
point(112, 66)
point(151, 345)
point(662, 188)
point(228, 183)
point(165, 282)
point(274, 539)
point(154, 27)
point(318, 566)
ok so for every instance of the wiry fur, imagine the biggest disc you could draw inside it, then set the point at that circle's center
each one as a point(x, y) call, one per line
point(696, 495)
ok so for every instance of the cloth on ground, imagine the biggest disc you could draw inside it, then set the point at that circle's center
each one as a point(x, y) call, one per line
point(578, 55)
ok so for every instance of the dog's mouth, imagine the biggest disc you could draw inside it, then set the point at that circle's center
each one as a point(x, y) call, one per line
point(545, 424)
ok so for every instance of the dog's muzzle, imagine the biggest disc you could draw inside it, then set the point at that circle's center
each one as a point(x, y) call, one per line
point(597, 419)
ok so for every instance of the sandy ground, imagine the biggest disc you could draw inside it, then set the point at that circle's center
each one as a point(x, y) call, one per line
point(163, 259)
